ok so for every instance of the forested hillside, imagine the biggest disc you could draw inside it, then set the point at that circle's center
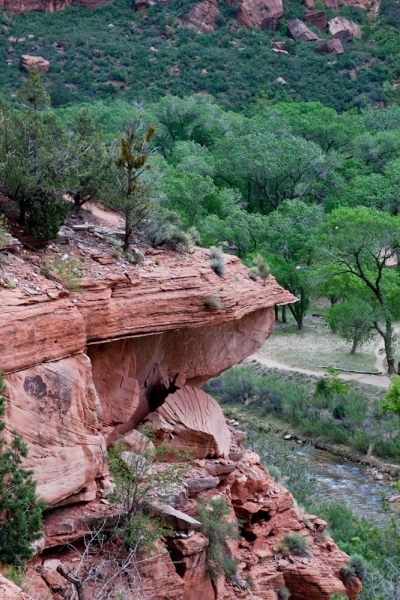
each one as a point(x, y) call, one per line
point(114, 51)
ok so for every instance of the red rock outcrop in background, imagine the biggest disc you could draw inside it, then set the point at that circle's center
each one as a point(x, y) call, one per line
point(202, 18)
point(258, 13)
point(21, 6)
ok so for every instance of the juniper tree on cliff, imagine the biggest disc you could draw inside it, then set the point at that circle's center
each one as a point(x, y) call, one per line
point(20, 509)
point(128, 192)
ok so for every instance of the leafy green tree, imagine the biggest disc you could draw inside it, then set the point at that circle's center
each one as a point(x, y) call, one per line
point(190, 194)
point(127, 190)
point(353, 320)
point(269, 168)
point(392, 398)
point(244, 232)
point(359, 243)
point(20, 509)
point(291, 248)
point(196, 118)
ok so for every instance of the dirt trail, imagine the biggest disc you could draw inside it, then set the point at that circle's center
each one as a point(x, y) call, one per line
point(381, 381)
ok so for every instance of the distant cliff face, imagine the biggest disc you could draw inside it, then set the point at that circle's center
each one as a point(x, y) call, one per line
point(21, 6)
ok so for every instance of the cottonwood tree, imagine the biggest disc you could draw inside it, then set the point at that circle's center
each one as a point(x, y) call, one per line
point(268, 168)
point(359, 243)
point(292, 251)
point(353, 320)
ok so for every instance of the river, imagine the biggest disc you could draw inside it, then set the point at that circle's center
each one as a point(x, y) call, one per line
point(342, 481)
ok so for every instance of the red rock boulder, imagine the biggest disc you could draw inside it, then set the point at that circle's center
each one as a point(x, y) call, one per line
point(334, 46)
point(317, 18)
point(29, 63)
point(300, 32)
point(343, 29)
point(203, 17)
point(193, 422)
point(264, 14)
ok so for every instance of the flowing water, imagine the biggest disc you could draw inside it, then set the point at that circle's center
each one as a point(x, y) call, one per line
point(342, 481)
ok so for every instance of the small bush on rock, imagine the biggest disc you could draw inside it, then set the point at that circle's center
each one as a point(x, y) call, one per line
point(218, 530)
point(212, 302)
point(356, 567)
point(283, 594)
point(295, 544)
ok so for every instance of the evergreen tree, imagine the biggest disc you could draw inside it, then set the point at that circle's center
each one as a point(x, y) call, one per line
point(20, 509)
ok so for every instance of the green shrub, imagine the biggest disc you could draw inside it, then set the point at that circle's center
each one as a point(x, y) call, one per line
point(212, 302)
point(356, 566)
point(295, 544)
point(283, 594)
point(217, 265)
point(20, 509)
point(339, 412)
point(212, 515)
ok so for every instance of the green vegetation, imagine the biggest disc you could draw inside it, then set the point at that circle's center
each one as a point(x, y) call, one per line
point(328, 410)
point(20, 508)
point(392, 398)
point(293, 543)
point(353, 321)
point(138, 484)
point(114, 52)
point(216, 527)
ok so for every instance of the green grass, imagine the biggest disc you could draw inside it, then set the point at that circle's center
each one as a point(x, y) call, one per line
point(316, 346)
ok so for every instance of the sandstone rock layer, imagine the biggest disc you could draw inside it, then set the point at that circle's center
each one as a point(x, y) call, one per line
point(88, 366)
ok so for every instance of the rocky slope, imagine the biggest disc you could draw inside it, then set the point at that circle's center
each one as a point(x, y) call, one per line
point(136, 343)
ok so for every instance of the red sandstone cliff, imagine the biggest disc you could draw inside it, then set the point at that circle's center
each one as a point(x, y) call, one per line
point(135, 343)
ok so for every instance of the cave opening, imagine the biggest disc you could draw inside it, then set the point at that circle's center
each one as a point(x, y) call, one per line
point(157, 394)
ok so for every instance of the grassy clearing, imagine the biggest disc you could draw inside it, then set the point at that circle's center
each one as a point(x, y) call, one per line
point(316, 346)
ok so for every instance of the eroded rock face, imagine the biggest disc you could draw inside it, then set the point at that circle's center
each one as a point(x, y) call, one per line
point(203, 17)
point(28, 63)
point(133, 376)
point(264, 14)
point(64, 404)
point(21, 6)
point(267, 513)
point(56, 408)
point(193, 422)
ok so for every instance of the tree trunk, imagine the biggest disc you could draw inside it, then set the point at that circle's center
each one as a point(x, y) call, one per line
point(22, 213)
point(284, 314)
point(276, 312)
point(354, 347)
point(387, 336)
point(127, 236)
point(297, 314)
